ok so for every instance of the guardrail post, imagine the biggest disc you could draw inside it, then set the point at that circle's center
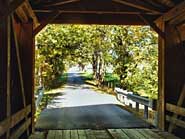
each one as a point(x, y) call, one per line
point(113, 85)
point(155, 118)
point(146, 112)
point(137, 106)
point(130, 105)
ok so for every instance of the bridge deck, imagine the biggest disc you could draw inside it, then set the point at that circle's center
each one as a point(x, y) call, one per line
point(103, 134)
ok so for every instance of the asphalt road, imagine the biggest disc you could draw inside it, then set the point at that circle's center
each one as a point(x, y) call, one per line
point(78, 106)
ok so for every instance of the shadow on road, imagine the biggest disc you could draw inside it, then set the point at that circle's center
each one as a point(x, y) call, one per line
point(89, 117)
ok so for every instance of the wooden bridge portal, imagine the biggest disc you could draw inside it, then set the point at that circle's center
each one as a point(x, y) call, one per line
point(21, 20)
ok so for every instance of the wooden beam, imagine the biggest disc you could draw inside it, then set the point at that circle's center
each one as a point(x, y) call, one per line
point(153, 25)
point(25, 12)
point(156, 4)
point(168, 3)
point(95, 12)
point(59, 3)
point(177, 10)
point(31, 14)
point(11, 8)
point(138, 5)
point(175, 121)
point(178, 20)
point(48, 20)
point(21, 14)
point(175, 109)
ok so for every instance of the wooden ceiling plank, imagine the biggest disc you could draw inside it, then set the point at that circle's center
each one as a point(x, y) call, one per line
point(153, 25)
point(11, 8)
point(174, 12)
point(137, 5)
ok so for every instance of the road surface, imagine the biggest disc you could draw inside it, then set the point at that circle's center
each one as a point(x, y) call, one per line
point(78, 106)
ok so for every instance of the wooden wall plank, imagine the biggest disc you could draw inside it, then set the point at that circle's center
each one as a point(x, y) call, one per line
point(27, 56)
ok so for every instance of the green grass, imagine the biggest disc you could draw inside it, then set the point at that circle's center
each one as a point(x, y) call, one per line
point(59, 81)
point(87, 76)
point(108, 77)
point(111, 77)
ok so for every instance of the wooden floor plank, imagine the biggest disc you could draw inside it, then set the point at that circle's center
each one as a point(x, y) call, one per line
point(66, 134)
point(165, 135)
point(138, 134)
point(90, 134)
point(148, 136)
point(82, 134)
point(51, 134)
point(131, 133)
point(104, 134)
point(118, 134)
point(101, 134)
point(58, 134)
point(74, 134)
point(37, 135)
point(152, 134)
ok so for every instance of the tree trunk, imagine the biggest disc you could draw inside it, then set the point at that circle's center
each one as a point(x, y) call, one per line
point(94, 64)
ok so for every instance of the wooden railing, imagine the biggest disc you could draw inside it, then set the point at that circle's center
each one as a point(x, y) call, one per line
point(15, 120)
point(177, 110)
point(124, 97)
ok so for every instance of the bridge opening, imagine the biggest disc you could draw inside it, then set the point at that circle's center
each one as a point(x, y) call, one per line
point(91, 72)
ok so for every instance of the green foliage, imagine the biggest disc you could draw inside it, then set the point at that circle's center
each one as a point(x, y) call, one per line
point(135, 59)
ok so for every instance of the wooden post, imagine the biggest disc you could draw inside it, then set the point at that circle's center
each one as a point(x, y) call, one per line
point(137, 106)
point(161, 78)
point(8, 86)
point(155, 119)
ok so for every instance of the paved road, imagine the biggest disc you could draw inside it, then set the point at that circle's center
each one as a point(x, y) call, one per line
point(77, 106)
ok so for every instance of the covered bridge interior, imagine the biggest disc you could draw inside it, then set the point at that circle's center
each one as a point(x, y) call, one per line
point(21, 20)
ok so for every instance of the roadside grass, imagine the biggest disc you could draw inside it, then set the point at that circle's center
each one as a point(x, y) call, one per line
point(58, 82)
point(111, 77)
point(88, 78)
point(49, 94)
